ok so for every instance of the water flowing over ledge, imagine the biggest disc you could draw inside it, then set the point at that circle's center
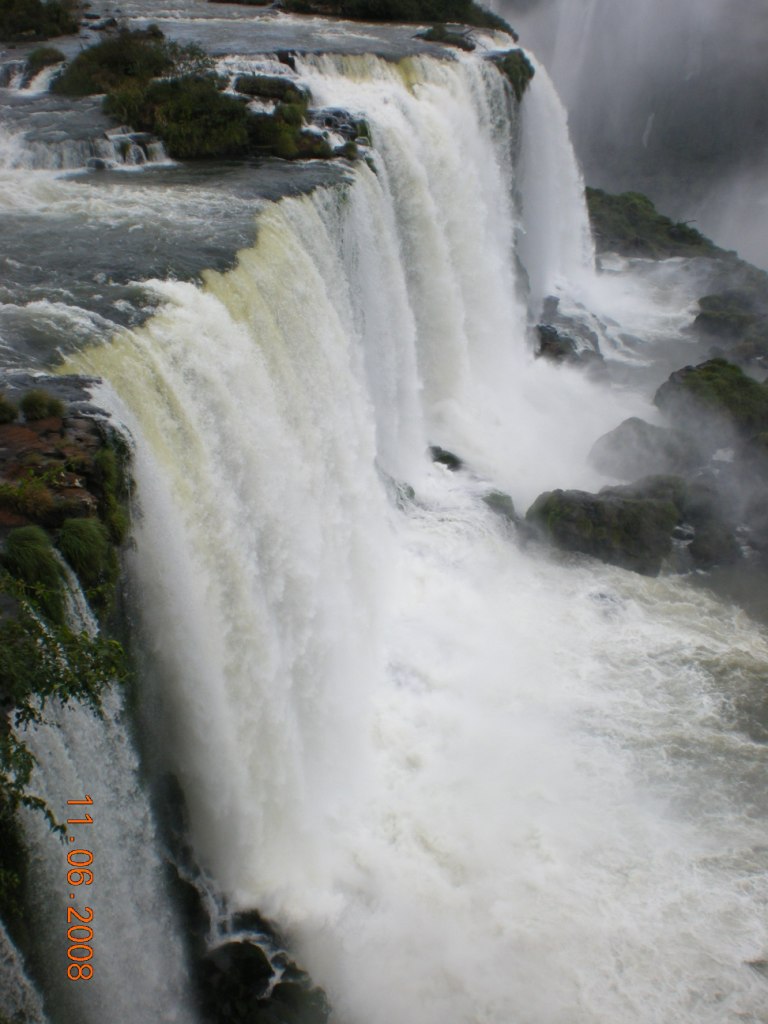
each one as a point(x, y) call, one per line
point(475, 782)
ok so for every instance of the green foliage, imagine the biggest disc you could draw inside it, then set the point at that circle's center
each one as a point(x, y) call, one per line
point(34, 19)
point(272, 87)
point(517, 68)
point(440, 34)
point(8, 411)
point(407, 11)
point(43, 57)
point(39, 405)
point(30, 558)
point(630, 224)
point(112, 481)
point(30, 496)
point(192, 116)
point(40, 660)
point(129, 57)
point(86, 545)
point(281, 134)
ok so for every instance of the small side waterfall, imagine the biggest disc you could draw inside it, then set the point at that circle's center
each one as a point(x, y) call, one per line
point(138, 970)
point(18, 996)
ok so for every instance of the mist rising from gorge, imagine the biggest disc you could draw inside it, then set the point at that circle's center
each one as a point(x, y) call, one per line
point(667, 98)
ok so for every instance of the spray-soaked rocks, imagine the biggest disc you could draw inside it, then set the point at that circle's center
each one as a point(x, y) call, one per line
point(716, 401)
point(641, 526)
point(635, 449)
point(634, 533)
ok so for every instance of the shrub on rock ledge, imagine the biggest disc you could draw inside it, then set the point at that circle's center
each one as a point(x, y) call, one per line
point(128, 57)
point(518, 70)
point(630, 225)
point(191, 115)
point(466, 12)
point(22, 20)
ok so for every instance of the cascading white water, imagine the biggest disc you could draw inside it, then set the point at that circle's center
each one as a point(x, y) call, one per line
point(556, 247)
point(476, 782)
point(115, 149)
point(18, 997)
point(138, 961)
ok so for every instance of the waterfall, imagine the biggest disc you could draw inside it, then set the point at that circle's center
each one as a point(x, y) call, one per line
point(138, 969)
point(115, 148)
point(18, 996)
point(468, 778)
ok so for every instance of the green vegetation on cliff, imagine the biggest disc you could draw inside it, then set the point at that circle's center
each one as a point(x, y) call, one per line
point(192, 116)
point(23, 20)
point(517, 68)
point(631, 225)
point(465, 12)
point(64, 486)
point(128, 58)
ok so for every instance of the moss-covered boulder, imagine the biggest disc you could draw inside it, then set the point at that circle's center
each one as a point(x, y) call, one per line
point(717, 400)
point(629, 224)
point(705, 523)
point(518, 70)
point(636, 449)
point(502, 504)
point(634, 533)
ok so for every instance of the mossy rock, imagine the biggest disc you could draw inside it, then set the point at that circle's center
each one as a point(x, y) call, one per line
point(629, 224)
point(634, 533)
point(502, 505)
point(518, 70)
point(716, 395)
point(39, 405)
point(727, 315)
point(636, 448)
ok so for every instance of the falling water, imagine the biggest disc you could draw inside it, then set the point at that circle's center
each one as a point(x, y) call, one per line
point(476, 782)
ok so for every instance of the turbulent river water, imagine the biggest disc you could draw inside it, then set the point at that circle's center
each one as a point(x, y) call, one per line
point(473, 781)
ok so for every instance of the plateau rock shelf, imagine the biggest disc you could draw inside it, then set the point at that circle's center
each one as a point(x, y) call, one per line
point(387, 754)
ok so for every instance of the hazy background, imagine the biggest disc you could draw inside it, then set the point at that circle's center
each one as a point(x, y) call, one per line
point(666, 96)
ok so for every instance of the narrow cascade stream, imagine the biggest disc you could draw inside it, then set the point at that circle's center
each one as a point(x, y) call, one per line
point(473, 780)
point(137, 972)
